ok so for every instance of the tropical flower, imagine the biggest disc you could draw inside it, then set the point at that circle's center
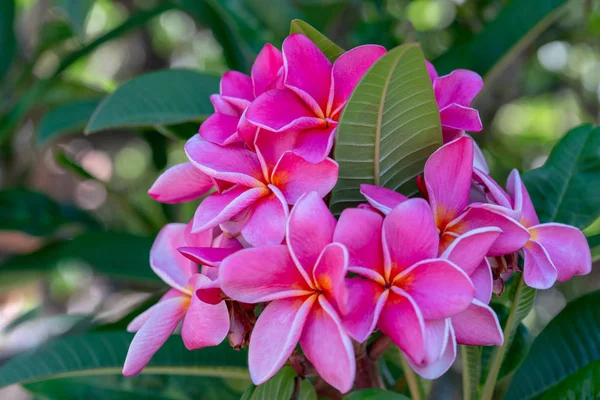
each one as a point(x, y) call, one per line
point(304, 282)
point(194, 298)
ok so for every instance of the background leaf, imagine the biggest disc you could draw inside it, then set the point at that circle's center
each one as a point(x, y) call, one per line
point(375, 394)
point(388, 129)
point(66, 119)
point(77, 11)
point(331, 50)
point(566, 188)
point(7, 35)
point(103, 353)
point(569, 342)
point(162, 97)
point(583, 384)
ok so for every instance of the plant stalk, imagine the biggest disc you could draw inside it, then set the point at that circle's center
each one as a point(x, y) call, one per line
point(414, 384)
point(367, 373)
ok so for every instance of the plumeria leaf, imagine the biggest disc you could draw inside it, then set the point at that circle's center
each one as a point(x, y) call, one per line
point(163, 97)
point(65, 119)
point(281, 386)
point(583, 384)
point(375, 394)
point(568, 343)
point(389, 128)
point(471, 359)
point(594, 242)
point(331, 50)
point(566, 188)
point(8, 42)
point(103, 353)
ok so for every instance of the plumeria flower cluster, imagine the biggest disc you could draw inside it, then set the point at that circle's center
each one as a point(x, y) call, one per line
point(421, 271)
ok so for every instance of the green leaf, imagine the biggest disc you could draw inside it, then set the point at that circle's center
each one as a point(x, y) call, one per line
point(583, 384)
point(388, 129)
point(515, 27)
point(162, 97)
point(36, 214)
point(77, 11)
point(331, 50)
point(569, 342)
point(566, 188)
point(103, 353)
point(307, 391)
point(65, 119)
point(120, 255)
point(8, 42)
point(594, 243)
point(281, 386)
point(375, 394)
point(471, 374)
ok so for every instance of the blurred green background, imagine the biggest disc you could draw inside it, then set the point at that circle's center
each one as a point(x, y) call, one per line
point(550, 85)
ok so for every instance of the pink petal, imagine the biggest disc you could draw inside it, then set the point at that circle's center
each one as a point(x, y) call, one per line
point(153, 334)
point(209, 256)
point(567, 247)
point(431, 70)
point(438, 287)
point(247, 131)
point(348, 69)
point(307, 71)
point(522, 201)
point(538, 270)
point(469, 249)
point(448, 179)
point(360, 231)
point(381, 198)
point(237, 85)
point(231, 164)
point(219, 128)
point(261, 274)
point(495, 192)
point(479, 159)
point(223, 105)
point(402, 321)
point(267, 224)
point(409, 236)
point(180, 183)
point(166, 262)
point(460, 117)
point(478, 325)
point(204, 324)
point(483, 281)
point(460, 87)
point(364, 307)
point(234, 226)
point(136, 324)
point(438, 367)
point(295, 176)
point(226, 242)
point(270, 146)
point(513, 236)
point(282, 110)
point(314, 145)
point(266, 67)
point(310, 228)
point(218, 208)
point(275, 336)
point(329, 275)
point(333, 358)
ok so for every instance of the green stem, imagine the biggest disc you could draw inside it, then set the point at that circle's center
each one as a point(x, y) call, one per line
point(498, 354)
point(414, 382)
point(471, 371)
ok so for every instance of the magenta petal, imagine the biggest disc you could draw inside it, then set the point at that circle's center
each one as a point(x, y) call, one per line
point(136, 324)
point(180, 183)
point(275, 336)
point(438, 367)
point(295, 176)
point(438, 287)
point(469, 249)
point(448, 179)
point(364, 307)
point(460, 87)
point(266, 67)
point(522, 201)
point(478, 325)
point(409, 236)
point(479, 159)
point(204, 324)
point(381, 198)
point(267, 224)
point(567, 247)
point(209, 256)
point(231, 164)
point(496, 194)
point(360, 231)
point(237, 85)
point(166, 262)
point(402, 321)
point(247, 131)
point(218, 208)
point(538, 270)
point(219, 128)
point(460, 117)
point(329, 275)
point(348, 69)
point(261, 274)
point(270, 146)
point(333, 358)
point(431, 70)
point(153, 334)
point(307, 70)
point(314, 145)
point(483, 281)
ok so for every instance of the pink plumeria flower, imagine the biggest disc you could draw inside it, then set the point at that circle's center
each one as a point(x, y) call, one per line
point(304, 283)
point(257, 205)
point(181, 183)
point(238, 90)
point(454, 93)
point(404, 289)
point(194, 298)
point(554, 251)
point(315, 92)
